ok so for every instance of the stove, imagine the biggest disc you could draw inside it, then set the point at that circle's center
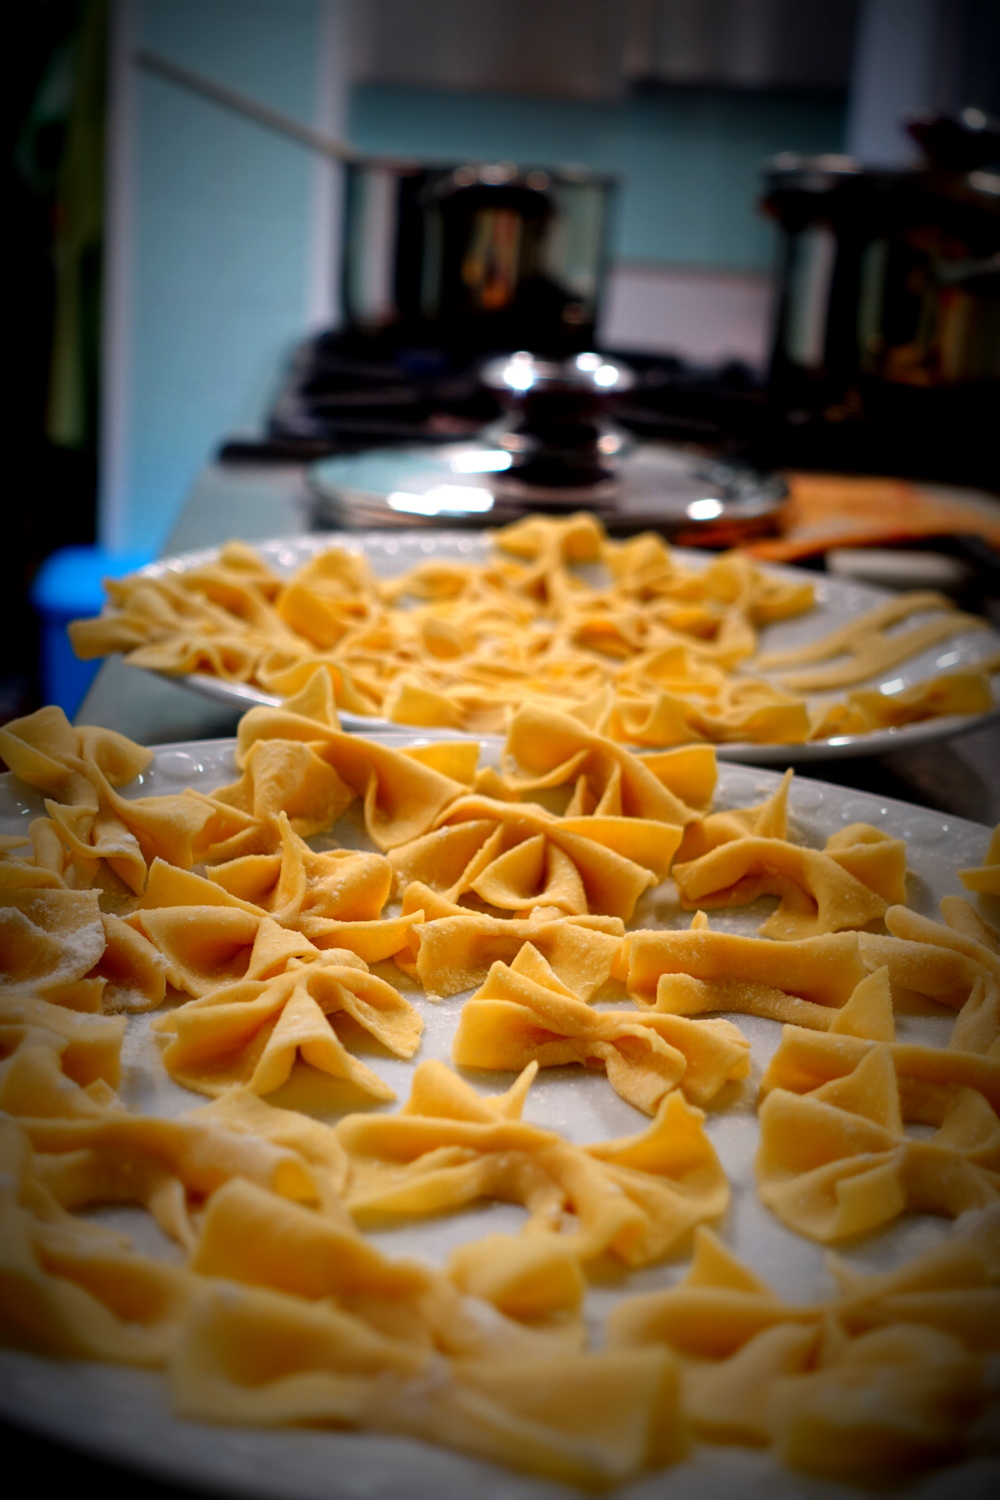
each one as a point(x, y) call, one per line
point(348, 391)
point(345, 391)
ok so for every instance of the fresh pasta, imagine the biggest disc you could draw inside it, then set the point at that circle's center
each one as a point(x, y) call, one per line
point(286, 943)
point(636, 643)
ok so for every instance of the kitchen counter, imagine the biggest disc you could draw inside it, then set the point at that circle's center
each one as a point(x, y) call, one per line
point(959, 776)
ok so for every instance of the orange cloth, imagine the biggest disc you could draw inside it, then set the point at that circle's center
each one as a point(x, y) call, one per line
point(836, 510)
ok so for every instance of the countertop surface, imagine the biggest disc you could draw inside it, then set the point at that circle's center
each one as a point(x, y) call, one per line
point(958, 776)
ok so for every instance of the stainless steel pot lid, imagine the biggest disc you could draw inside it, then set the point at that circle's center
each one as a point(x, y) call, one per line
point(657, 486)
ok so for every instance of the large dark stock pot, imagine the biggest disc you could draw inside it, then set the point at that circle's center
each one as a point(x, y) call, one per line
point(475, 257)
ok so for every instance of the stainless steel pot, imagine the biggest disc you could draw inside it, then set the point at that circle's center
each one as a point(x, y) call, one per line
point(475, 257)
point(890, 280)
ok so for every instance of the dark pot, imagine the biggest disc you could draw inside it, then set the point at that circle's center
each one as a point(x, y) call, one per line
point(475, 257)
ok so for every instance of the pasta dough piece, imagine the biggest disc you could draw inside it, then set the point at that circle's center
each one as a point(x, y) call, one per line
point(893, 1403)
point(455, 952)
point(258, 1356)
point(523, 1013)
point(835, 1163)
point(58, 944)
point(20, 870)
point(687, 973)
point(313, 1143)
point(859, 1373)
point(219, 941)
point(46, 752)
point(535, 1279)
point(551, 749)
point(88, 1046)
point(81, 769)
point(258, 1032)
point(718, 1306)
point(664, 703)
point(250, 1236)
point(216, 952)
point(48, 938)
point(768, 820)
point(826, 891)
point(870, 651)
point(869, 709)
point(985, 877)
point(72, 1289)
point(880, 655)
point(288, 778)
point(735, 1337)
point(517, 856)
point(928, 1078)
point(939, 962)
point(448, 1147)
point(162, 1165)
point(208, 946)
point(296, 885)
point(402, 796)
point(952, 1288)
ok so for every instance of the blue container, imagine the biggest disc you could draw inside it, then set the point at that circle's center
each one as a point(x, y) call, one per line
point(68, 586)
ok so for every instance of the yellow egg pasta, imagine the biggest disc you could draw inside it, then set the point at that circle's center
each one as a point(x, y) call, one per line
point(849, 884)
point(524, 1013)
point(835, 1162)
point(447, 1147)
point(258, 1033)
point(887, 1374)
point(685, 973)
point(626, 636)
point(986, 877)
point(304, 938)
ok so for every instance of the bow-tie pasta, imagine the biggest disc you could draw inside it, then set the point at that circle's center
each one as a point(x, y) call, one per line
point(315, 937)
point(627, 636)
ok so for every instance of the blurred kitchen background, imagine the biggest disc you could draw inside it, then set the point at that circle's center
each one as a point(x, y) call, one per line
point(172, 254)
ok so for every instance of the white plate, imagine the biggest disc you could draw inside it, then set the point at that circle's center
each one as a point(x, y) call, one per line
point(121, 1414)
point(837, 602)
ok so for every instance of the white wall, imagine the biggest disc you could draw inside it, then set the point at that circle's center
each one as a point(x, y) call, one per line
point(705, 316)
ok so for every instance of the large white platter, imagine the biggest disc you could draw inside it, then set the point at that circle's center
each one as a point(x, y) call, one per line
point(837, 602)
point(122, 1415)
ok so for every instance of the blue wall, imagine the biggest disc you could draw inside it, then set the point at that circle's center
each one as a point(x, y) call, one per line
point(689, 158)
point(220, 213)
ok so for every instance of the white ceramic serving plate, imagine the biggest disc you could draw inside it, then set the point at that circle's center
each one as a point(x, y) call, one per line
point(121, 1414)
point(837, 602)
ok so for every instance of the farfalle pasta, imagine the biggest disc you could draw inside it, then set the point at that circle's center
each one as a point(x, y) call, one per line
point(686, 973)
point(259, 1033)
point(835, 1162)
point(887, 1374)
point(447, 1147)
point(985, 878)
point(630, 638)
point(847, 885)
point(523, 1013)
point(512, 916)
